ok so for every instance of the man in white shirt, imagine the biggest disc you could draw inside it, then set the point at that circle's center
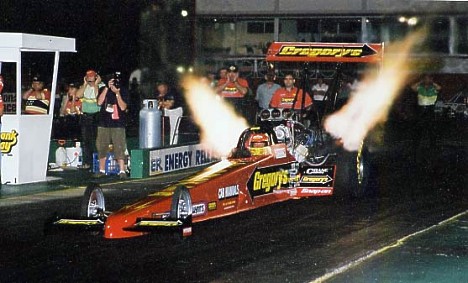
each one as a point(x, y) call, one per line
point(319, 91)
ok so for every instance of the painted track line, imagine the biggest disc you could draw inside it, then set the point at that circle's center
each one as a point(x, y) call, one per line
point(398, 243)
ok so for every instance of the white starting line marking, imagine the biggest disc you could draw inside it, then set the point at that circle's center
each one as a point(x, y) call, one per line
point(398, 243)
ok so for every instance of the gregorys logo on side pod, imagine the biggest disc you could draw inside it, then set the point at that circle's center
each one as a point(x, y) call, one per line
point(327, 51)
point(8, 141)
point(265, 180)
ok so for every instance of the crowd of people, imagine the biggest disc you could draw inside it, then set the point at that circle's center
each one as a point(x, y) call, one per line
point(96, 111)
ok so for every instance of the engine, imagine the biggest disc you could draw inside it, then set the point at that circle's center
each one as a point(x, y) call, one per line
point(305, 144)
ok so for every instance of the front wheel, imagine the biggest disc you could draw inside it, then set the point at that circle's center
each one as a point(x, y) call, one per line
point(181, 207)
point(93, 203)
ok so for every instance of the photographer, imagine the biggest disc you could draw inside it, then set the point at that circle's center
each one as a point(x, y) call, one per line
point(111, 127)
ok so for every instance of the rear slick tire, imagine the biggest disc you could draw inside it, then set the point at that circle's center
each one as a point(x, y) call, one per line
point(355, 173)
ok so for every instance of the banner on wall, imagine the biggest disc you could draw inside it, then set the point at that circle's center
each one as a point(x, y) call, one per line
point(177, 158)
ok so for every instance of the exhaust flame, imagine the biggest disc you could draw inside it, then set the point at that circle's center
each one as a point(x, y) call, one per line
point(219, 124)
point(371, 103)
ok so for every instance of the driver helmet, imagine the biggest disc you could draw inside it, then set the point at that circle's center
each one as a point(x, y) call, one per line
point(259, 143)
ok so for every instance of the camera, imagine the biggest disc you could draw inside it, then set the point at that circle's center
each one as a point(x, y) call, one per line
point(117, 78)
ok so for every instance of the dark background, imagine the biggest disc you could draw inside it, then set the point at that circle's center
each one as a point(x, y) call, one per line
point(106, 32)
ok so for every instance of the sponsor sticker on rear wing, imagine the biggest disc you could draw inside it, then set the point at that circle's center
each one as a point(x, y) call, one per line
point(325, 52)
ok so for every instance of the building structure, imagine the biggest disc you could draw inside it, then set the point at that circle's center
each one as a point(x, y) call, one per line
point(241, 30)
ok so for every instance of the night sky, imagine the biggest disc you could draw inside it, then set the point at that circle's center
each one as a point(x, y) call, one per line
point(106, 31)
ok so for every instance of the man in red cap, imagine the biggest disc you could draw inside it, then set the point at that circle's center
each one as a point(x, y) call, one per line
point(234, 89)
point(88, 93)
point(232, 86)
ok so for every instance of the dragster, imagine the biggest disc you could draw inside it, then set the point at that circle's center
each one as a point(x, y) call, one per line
point(276, 160)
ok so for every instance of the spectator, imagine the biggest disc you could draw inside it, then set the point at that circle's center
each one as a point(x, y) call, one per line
point(166, 96)
point(290, 96)
point(320, 95)
point(37, 97)
point(111, 128)
point(266, 90)
point(233, 88)
point(60, 94)
point(427, 92)
point(71, 104)
point(70, 113)
point(88, 93)
point(222, 74)
point(167, 102)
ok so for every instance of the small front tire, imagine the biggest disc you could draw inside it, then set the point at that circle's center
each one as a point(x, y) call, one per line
point(93, 204)
point(181, 207)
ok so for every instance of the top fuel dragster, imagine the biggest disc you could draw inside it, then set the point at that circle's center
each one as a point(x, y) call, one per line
point(276, 160)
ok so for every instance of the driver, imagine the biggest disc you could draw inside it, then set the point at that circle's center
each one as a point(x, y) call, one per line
point(259, 144)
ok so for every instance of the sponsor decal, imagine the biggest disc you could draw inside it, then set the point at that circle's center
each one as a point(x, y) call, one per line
point(270, 181)
point(198, 209)
point(317, 170)
point(8, 141)
point(229, 204)
point(265, 180)
point(280, 153)
point(316, 191)
point(326, 51)
point(228, 192)
point(186, 231)
point(287, 100)
point(212, 206)
point(317, 177)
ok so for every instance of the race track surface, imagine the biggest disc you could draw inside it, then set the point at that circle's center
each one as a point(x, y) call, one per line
point(294, 241)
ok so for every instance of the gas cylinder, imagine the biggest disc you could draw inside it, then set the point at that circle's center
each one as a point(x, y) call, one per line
point(150, 124)
point(61, 156)
point(79, 152)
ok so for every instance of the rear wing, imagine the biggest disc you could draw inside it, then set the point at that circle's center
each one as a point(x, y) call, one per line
point(325, 52)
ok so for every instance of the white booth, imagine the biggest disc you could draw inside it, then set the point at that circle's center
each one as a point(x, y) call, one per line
point(25, 138)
